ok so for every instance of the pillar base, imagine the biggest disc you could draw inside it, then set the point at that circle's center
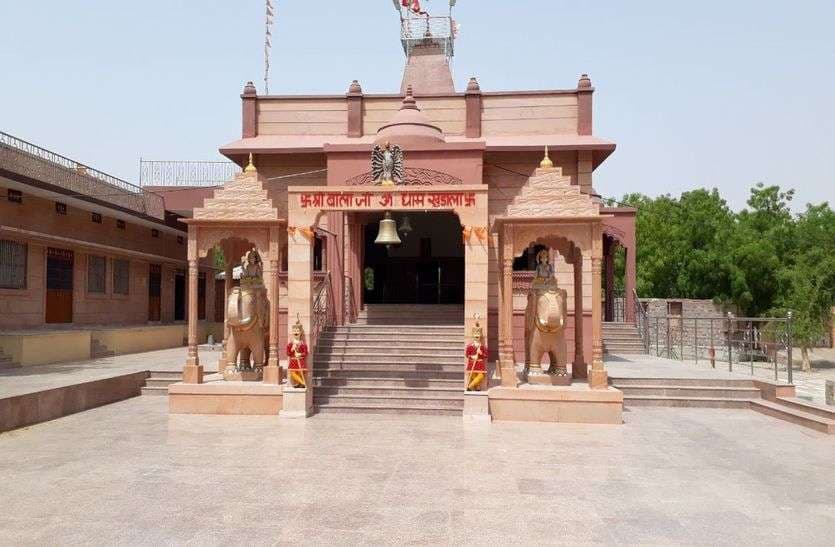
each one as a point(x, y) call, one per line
point(509, 376)
point(598, 379)
point(476, 406)
point(272, 375)
point(193, 374)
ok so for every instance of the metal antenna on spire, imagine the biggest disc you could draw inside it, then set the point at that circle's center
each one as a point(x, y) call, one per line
point(268, 36)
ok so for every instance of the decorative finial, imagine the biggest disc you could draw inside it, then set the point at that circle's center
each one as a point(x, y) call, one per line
point(355, 88)
point(250, 167)
point(409, 100)
point(546, 162)
point(472, 85)
point(585, 82)
point(249, 89)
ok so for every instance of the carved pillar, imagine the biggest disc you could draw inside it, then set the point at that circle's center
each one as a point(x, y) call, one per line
point(227, 288)
point(272, 372)
point(579, 368)
point(336, 262)
point(629, 285)
point(609, 273)
point(298, 402)
point(597, 376)
point(507, 362)
point(193, 370)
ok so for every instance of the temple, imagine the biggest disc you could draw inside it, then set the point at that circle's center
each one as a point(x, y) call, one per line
point(483, 182)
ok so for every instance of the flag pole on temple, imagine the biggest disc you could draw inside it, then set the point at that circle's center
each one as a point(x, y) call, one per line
point(268, 35)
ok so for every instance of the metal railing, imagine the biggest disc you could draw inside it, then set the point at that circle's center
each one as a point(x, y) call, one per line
point(423, 30)
point(34, 162)
point(350, 301)
point(186, 173)
point(745, 344)
point(323, 311)
point(642, 321)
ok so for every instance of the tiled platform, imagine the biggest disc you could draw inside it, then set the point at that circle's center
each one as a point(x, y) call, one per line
point(130, 473)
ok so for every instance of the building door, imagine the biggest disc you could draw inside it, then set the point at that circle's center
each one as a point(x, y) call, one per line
point(59, 284)
point(154, 291)
point(180, 296)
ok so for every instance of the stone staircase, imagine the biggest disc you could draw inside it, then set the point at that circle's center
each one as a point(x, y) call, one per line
point(722, 393)
point(396, 359)
point(6, 362)
point(158, 381)
point(622, 338)
point(99, 350)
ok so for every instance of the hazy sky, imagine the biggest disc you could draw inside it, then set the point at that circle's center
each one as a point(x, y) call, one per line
point(701, 93)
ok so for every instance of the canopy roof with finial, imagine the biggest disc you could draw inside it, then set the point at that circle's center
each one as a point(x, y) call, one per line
point(409, 125)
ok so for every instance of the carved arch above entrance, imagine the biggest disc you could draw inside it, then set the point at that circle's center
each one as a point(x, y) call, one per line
point(412, 176)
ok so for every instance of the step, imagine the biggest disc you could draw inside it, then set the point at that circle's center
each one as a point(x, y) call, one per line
point(723, 392)
point(382, 374)
point(386, 401)
point(785, 412)
point(402, 359)
point(403, 410)
point(395, 392)
point(805, 406)
point(690, 402)
point(154, 390)
point(390, 367)
point(390, 350)
point(163, 374)
point(161, 382)
point(369, 380)
point(404, 327)
point(618, 382)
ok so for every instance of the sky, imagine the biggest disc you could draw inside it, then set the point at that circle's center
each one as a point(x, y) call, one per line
point(695, 94)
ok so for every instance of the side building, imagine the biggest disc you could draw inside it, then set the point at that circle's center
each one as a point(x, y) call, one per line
point(88, 257)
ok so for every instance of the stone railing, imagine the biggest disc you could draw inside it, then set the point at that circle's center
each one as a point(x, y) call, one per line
point(74, 179)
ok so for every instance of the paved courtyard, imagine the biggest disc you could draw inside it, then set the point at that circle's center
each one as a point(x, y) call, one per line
point(128, 473)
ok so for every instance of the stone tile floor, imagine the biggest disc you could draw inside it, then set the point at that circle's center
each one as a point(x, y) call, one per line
point(29, 379)
point(809, 385)
point(128, 473)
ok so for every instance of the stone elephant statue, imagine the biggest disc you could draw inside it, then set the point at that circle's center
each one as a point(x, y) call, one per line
point(545, 321)
point(248, 316)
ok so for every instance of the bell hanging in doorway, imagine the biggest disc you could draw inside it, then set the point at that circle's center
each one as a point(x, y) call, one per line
point(387, 233)
point(405, 227)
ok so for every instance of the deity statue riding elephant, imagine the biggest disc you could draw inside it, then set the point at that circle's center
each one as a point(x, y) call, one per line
point(248, 317)
point(545, 321)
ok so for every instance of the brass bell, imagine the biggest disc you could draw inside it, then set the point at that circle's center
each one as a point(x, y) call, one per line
point(387, 233)
point(405, 227)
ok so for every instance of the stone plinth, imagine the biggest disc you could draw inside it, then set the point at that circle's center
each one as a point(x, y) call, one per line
point(221, 397)
point(476, 406)
point(253, 375)
point(567, 404)
point(549, 379)
point(298, 402)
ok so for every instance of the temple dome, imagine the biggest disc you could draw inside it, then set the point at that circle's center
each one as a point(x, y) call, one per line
point(409, 126)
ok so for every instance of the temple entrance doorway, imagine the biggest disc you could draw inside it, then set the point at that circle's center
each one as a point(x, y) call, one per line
point(426, 268)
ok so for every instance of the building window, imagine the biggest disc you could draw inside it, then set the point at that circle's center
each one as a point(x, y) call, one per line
point(96, 217)
point(15, 196)
point(121, 276)
point(12, 264)
point(96, 272)
point(120, 224)
point(154, 232)
point(60, 208)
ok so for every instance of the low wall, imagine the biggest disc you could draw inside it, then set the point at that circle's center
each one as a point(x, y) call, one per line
point(33, 408)
point(43, 348)
point(254, 398)
point(573, 404)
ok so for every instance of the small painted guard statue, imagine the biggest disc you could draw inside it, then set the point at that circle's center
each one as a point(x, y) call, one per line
point(297, 352)
point(476, 353)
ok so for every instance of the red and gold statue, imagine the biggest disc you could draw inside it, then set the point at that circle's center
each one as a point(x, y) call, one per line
point(476, 354)
point(297, 352)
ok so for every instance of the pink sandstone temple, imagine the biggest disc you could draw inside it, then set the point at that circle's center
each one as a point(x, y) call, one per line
point(484, 181)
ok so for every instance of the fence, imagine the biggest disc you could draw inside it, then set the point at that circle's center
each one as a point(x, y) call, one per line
point(186, 173)
point(743, 344)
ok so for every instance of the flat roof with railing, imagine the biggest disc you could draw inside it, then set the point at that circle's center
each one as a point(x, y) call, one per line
point(29, 163)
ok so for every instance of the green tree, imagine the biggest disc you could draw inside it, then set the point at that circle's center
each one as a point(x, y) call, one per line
point(808, 285)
